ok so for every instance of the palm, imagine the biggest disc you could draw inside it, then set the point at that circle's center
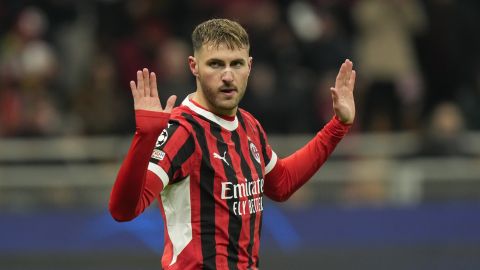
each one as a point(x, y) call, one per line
point(147, 103)
point(342, 93)
point(145, 93)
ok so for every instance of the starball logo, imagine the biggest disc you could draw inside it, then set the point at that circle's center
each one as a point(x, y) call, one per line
point(240, 192)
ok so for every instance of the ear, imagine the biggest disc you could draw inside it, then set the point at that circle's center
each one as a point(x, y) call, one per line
point(250, 61)
point(192, 63)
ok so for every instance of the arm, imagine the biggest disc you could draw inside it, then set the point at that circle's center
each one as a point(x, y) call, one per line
point(135, 187)
point(290, 173)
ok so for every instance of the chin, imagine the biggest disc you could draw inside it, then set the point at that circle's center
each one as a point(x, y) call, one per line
point(227, 107)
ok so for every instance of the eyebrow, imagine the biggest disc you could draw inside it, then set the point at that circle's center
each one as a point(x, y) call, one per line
point(241, 60)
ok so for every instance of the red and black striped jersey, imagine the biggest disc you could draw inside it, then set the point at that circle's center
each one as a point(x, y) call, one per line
point(213, 173)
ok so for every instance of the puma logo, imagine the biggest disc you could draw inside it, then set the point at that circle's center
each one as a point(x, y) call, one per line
point(217, 156)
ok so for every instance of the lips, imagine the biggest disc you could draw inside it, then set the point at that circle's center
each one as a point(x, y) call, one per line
point(228, 90)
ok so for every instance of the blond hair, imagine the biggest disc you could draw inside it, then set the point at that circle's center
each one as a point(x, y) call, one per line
point(220, 32)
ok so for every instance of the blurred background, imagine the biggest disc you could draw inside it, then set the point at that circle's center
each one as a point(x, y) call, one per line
point(402, 191)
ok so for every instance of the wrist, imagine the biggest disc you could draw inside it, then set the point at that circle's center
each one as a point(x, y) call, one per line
point(343, 122)
point(336, 127)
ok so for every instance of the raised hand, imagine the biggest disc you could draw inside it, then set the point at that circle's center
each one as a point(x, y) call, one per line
point(342, 93)
point(145, 93)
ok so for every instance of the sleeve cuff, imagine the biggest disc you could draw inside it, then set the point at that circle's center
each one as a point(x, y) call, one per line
point(150, 122)
point(145, 113)
point(337, 127)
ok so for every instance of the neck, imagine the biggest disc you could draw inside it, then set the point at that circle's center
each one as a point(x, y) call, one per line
point(200, 99)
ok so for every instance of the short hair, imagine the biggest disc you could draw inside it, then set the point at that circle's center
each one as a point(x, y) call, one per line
point(220, 31)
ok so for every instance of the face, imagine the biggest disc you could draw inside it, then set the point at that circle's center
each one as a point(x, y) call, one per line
point(221, 75)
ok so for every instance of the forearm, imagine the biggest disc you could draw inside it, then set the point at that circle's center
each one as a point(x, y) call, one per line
point(290, 173)
point(132, 191)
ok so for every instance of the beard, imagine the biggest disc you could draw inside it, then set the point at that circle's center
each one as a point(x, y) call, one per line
point(218, 101)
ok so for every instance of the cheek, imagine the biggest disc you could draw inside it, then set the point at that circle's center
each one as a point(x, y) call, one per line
point(205, 77)
point(208, 77)
point(243, 76)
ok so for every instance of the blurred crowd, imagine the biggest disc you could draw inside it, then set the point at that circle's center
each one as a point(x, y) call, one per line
point(65, 65)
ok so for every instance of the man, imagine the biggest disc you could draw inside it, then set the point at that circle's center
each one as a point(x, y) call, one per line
point(212, 164)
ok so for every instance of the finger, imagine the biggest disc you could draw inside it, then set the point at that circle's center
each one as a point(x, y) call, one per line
point(153, 85)
point(140, 83)
point(133, 87)
point(170, 103)
point(352, 80)
point(349, 70)
point(146, 88)
point(341, 74)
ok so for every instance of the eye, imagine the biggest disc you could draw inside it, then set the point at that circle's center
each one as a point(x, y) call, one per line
point(237, 64)
point(215, 64)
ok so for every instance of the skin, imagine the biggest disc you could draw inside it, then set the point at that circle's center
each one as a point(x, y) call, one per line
point(221, 79)
point(145, 93)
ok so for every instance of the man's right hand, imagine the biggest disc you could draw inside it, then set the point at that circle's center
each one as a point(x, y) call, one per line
point(145, 93)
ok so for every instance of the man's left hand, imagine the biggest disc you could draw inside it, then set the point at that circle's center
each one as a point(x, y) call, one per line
point(342, 93)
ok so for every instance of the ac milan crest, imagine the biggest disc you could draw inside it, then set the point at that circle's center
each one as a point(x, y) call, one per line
point(254, 151)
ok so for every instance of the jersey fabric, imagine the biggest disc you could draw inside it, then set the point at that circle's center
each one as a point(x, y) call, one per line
point(209, 175)
point(213, 172)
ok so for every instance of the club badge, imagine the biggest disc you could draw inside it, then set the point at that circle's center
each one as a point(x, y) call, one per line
point(254, 151)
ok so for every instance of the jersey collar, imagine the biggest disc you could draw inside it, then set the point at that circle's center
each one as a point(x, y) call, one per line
point(228, 125)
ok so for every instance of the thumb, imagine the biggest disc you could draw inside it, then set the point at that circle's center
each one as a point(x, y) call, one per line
point(170, 103)
point(334, 94)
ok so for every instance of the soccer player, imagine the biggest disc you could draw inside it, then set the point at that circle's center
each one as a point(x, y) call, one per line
point(209, 163)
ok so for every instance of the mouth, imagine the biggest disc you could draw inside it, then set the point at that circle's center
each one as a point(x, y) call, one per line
point(228, 90)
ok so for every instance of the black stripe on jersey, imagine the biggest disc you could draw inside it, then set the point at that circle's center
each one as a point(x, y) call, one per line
point(258, 169)
point(240, 119)
point(259, 236)
point(234, 221)
point(182, 155)
point(247, 173)
point(263, 142)
point(207, 207)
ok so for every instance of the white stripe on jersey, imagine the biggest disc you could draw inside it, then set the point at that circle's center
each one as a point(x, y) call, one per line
point(178, 215)
point(271, 164)
point(159, 172)
point(228, 125)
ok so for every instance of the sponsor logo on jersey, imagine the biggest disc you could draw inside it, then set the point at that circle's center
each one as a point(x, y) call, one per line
point(239, 193)
point(217, 156)
point(158, 154)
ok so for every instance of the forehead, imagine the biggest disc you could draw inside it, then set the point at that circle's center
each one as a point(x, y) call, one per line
point(221, 51)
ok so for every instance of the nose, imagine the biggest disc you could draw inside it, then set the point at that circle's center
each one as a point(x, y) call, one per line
point(227, 76)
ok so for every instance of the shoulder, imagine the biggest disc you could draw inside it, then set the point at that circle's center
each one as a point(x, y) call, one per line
point(248, 119)
point(184, 116)
point(246, 114)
